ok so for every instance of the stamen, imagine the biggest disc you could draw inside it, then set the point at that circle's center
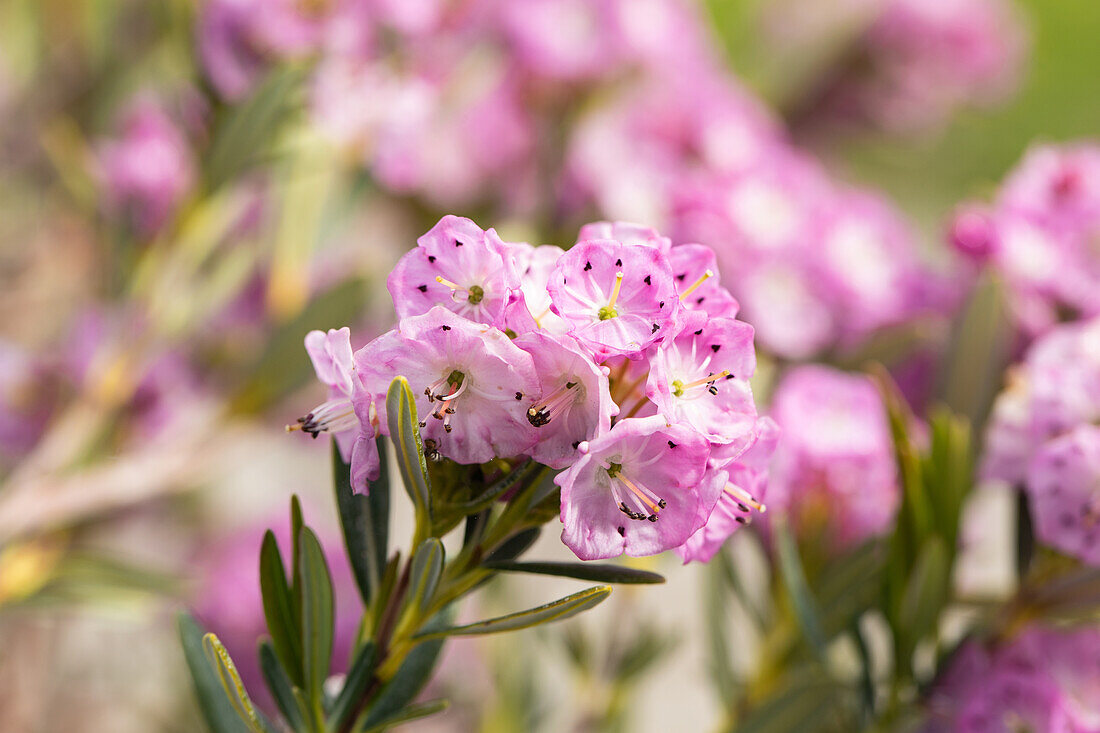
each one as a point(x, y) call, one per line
point(702, 279)
point(542, 412)
point(334, 416)
point(473, 294)
point(743, 497)
point(636, 496)
point(678, 387)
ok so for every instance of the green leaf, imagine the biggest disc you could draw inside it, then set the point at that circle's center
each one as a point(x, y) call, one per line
point(248, 129)
point(219, 658)
point(404, 424)
point(365, 522)
point(355, 684)
point(926, 593)
point(427, 567)
point(413, 712)
point(809, 703)
point(279, 609)
point(598, 572)
point(216, 709)
point(410, 678)
point(557, 610)
point(794, 580)
point(318, 617)
point(282, 689)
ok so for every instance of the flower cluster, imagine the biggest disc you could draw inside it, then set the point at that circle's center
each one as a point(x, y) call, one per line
point(619, 362)
point(1044, 436)
point(1042, 680)
point(835, 467)
point(1039, 234)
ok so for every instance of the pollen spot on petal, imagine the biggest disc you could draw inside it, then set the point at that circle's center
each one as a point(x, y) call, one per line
point(422, 288)
point(587, 266)
point(681, 276)
point(655, 328)
point(648, 280)
point(445, 328)
point(700, 300)
point(699, 332)
point(431, 258)
point(671, 444)
point(622, 531)
point(715, 347)
point(619, 262)
point(458, 243)
point(519, 395)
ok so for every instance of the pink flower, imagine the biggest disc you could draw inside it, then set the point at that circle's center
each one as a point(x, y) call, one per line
point(462, 268)
point(347, 414)
point(473, 385)
point(617, 298)
point(534, 265)
point(834, 467)
point(1063, 482)
point(701, 378)
point(695, 269)
point(148, 171)
point(1054, 390)
point(573, 403)
point(625, 232)
point(636, 490)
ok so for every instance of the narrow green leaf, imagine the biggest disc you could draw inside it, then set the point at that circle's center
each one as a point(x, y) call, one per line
point(279, 611)
point(794, 580)
point(926, 593)
point(413, 712)
point(809, 703)
point(557, 610)
point(410, 678)
point(354, 685)
point(249, 129)
point(318, 617)
point(216, 709)
point(218, 657)
point(364, 521)
point(427, 566)
point(404, 424)
point(598, 572)
point(282, 689)
point(866, 671)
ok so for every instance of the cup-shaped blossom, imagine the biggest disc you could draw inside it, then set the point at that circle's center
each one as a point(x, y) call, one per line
point(743, 491)
point(573, 403)
point(618, 299)
point(1063, 484)
point(701, 377)
point(473, 385)
point(459, 266)
point(834, 470)
point(637, 489)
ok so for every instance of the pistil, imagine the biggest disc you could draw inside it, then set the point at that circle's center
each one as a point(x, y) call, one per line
point(608, 311)
point(473, 294)
point(702, 279)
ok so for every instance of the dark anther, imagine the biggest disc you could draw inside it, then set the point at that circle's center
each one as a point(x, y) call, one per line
point(446, 328)
point(662, 503)
point(655, 328)
point(587, 266)
point(648, 280)
point(671, 444)
point(661, 304)
point(519, 395)
point(458, 243)
point(712, 389)
point(699, 332)
point(576, 444)
point(700, 299)
point(715, 347)
point(681, 276)
point(422, 288)
point(618, 263)
point(652, 517)
point(622, 531)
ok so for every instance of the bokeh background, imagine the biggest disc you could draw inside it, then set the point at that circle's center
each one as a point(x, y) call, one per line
point(187, 188)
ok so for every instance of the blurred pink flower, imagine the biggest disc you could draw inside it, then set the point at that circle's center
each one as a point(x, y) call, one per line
point(148, 170)
point(1042, 680)
point(834, 470)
